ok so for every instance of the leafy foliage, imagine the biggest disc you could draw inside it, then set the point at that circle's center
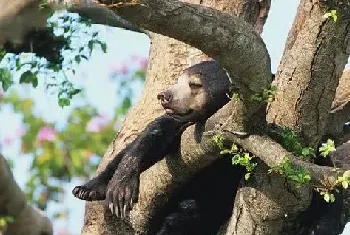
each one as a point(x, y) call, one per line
point(267, 95)
point(74, 150)
point(239, 155)
point(327, 196)
point(344, 180)
point(59, 154)
point(330, 188)
point(5, 79)
point(292, 143)
point(291, 172)
point(71, 40)
point(331, 14)
point(219, 141)
point(327, 148)
point(244, 159)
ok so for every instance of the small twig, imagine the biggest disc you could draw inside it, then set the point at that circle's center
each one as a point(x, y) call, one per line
point(120, 4)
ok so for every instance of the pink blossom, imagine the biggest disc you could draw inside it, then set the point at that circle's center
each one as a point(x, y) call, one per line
point(46, 133)
point(8, 140)
point(120, 69)
point(143, 63)
point(20, 131)
point(96, 123)
point(135, 58)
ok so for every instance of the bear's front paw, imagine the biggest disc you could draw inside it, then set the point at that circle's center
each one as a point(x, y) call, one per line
point(122, 191)
point(94, 190)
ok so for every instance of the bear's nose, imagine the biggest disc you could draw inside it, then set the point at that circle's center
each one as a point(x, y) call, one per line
point(164, 97)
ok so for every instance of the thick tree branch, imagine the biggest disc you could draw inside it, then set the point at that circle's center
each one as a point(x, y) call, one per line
point(272, 153)
point(196, 156)
point(160, 182)
point(104, 16)
point(9, 9)
point(27, 220)
point(19, 16)
point(227, 39)
point(316, 52)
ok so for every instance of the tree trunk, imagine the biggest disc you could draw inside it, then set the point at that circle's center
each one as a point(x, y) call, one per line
point(306, 80)
point(168, 58)
point(315, 55)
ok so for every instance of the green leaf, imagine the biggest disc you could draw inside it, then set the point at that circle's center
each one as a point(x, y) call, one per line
point(29, 77)
point(91, 45)
point(326, 197)
point(307, 151)
point(63, 102)
point(225, 151)
point(77, 59)
point(74, 92)
point(307, 177)
point(2, 54)
point(247, 175)
point(327, 148)
point(345, 184)
point(126, 103)
point(346, 174)
point(5, 79)
point(43, 5)
point(18, 65)
point(327, 15)
point(334, 15)
point(103, 46)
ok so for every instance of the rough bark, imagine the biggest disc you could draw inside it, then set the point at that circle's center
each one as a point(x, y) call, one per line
point(18, 16)
point(27, 220)
point(167, 59)
point(102, 15)
point(310, 88)
point(211, 31)
point(340, 112)
point(306, 84)
point(316, 52)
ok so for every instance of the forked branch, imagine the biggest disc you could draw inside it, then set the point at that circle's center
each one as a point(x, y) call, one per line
point(227, 39)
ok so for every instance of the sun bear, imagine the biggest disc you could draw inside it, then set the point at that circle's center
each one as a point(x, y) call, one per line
point(200, 91)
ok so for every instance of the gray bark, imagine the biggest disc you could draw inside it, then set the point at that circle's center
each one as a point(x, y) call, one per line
point(340, 111)
point(160, 181)
point(27, 219)
point(316, 52)
point(305, 80)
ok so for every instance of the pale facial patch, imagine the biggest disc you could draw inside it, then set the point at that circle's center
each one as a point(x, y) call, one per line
point(188, 97)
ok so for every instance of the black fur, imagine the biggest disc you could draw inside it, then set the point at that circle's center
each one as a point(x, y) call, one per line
point(118, 183)
point(153, 143)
